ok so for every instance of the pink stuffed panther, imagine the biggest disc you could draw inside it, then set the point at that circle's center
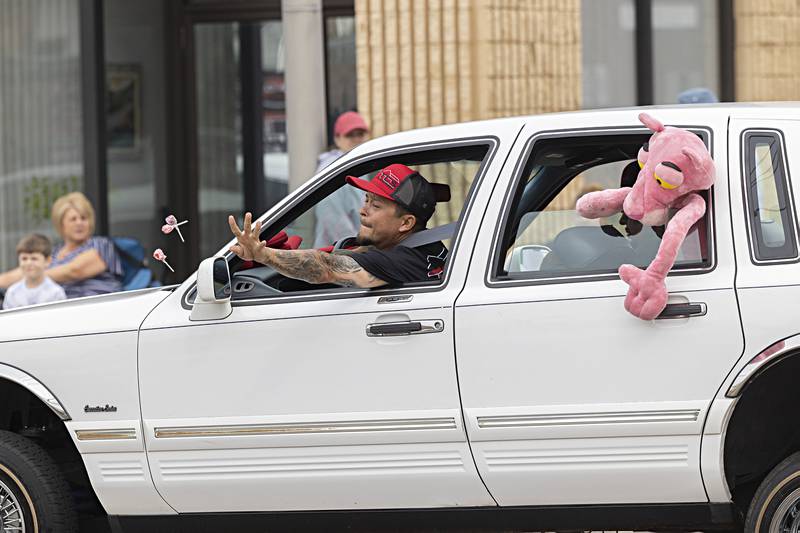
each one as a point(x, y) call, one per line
point(675, 164)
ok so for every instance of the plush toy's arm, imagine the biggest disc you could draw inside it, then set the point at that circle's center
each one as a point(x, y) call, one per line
point(647, 293)
point(690, 209)
point(602, 203)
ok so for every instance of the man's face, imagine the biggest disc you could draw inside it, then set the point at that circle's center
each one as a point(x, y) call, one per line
point(33, 264)
point(351, 139)
point(381, 225)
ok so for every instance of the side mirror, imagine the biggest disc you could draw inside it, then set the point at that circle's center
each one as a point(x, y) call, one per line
point(213, 300)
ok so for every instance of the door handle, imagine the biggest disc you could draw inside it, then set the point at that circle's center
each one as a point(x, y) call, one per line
point(411, 327)
point(683, 310)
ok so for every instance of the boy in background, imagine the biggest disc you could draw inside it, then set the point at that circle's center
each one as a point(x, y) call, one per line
point(34, 254)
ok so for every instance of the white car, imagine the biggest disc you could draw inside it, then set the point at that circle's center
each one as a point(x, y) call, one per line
point(515, 393)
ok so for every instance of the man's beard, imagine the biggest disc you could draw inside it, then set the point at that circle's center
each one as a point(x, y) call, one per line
point(363, 241)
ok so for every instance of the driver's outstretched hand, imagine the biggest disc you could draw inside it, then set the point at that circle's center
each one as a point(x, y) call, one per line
point(248, 243)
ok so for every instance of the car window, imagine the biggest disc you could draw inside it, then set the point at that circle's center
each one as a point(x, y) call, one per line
point(337, 203)
point(336, 216)
point(767, 190)
point(545, 237)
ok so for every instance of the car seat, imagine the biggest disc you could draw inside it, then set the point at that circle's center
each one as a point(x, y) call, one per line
point(587, 248)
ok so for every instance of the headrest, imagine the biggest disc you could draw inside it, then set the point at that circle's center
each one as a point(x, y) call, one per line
point(441, 192)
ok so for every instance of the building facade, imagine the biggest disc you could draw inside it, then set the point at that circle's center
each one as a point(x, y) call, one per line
point(201, 108)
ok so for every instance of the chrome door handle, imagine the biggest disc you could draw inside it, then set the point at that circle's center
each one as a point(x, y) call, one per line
point(683, 310)
point(411, 327)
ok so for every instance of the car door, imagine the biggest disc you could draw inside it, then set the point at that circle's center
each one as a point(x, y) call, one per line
point(567, 398)
point(291, 402)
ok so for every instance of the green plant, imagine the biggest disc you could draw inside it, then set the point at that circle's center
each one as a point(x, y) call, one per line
point(40, 193)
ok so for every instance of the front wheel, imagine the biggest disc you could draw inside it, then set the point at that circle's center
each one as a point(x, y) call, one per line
point(34, 498)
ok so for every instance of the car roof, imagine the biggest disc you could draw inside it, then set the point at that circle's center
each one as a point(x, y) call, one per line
point(683, 114)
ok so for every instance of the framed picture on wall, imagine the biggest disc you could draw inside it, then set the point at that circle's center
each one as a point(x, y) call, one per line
point(124, 109)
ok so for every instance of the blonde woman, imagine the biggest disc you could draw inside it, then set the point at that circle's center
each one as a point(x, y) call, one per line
point(84, 264)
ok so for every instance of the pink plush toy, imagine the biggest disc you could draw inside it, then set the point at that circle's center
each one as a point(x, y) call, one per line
point(675, 164)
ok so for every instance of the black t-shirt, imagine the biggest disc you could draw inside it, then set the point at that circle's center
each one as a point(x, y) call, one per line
point(404, 265)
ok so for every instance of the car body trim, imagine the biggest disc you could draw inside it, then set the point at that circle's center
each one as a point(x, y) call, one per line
point(583, 419)
point(351, 426)
point(760, 362)
point(105, 434)
point(34, 386)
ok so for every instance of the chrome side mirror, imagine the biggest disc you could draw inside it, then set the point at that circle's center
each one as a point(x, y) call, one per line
point(213, 300)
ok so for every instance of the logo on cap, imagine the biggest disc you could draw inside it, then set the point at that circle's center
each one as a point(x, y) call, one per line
point(388, 177)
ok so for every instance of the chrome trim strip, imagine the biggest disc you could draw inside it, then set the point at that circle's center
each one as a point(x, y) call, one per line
point(758, 362)
point(36, 388)
point(584, 419)
point(395, 299)
point(106, 434)
point(353, 426)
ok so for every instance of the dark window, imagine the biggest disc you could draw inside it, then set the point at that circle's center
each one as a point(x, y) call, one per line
point(770, 213)
point(544, 236)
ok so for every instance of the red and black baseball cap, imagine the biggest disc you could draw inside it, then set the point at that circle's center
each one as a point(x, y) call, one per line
point(407, 188)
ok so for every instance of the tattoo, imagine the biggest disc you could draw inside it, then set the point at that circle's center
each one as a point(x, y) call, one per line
point(314, 266)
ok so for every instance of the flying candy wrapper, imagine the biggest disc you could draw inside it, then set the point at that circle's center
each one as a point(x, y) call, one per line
point(159, 255)
point(172, 224)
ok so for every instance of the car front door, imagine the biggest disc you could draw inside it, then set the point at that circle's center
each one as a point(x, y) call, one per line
point(569, 399)
point(311, 399)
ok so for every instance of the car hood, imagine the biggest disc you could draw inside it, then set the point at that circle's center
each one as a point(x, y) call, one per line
point(121, 311)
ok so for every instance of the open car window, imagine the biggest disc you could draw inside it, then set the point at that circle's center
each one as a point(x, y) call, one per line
point(330, 213)
point(544, 237)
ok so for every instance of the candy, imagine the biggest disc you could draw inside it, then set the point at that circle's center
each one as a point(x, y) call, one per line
point(159, 255)
point(172, 224)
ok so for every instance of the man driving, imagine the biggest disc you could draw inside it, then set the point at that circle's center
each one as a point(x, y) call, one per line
point(399, 202)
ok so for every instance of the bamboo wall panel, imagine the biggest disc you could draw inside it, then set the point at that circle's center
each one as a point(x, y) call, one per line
point(767, 50)
point(428, 62)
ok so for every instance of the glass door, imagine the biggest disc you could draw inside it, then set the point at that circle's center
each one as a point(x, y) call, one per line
point(240, 120)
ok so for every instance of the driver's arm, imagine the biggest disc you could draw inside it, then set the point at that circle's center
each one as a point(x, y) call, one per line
point(314, 266)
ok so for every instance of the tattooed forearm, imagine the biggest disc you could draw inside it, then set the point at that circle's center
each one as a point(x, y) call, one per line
point(317, 267)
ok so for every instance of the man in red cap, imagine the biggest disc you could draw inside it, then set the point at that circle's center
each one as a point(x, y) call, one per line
point(338, 215)
point(399, 202)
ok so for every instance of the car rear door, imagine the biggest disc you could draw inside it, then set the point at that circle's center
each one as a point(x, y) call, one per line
point(567, 398)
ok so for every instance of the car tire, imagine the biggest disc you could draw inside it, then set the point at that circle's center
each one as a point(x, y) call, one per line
point(33, 491)
point(777, 501)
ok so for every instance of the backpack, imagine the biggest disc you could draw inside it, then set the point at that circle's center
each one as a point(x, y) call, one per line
point(136, 273)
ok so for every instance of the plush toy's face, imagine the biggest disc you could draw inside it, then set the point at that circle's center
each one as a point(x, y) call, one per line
point(674, 162)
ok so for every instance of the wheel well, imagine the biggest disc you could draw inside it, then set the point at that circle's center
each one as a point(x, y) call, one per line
point(23, 413)
point(764, 428)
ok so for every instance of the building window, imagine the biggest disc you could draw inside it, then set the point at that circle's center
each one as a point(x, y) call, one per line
point(685, 48)
point(608, 59)
point(41, 139)
point(340, 47)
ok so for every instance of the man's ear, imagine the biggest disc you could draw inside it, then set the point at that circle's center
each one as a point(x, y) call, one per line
point(407, 223)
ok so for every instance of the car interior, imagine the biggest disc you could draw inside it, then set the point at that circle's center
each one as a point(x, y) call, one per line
point(454, 167)
point(544, 235)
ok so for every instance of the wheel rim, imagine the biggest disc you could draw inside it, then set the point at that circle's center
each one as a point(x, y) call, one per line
point(12, 519)
point(787, 516)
